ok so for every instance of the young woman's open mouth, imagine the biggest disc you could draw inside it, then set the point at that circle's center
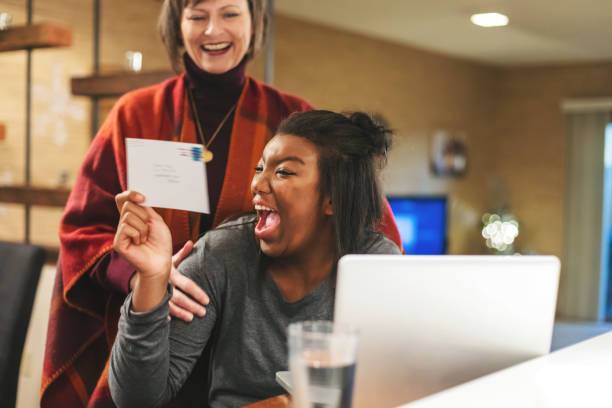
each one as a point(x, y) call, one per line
point(268, 221)
point(216, 48)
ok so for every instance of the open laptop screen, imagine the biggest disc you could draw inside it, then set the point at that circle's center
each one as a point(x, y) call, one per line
point(428, 323)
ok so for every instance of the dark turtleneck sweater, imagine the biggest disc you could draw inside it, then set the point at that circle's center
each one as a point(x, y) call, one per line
point(214, 95)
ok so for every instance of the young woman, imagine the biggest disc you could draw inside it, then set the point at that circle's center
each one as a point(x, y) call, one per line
point(317, 197)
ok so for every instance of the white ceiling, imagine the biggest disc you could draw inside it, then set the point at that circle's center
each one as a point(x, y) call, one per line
point(540, 31)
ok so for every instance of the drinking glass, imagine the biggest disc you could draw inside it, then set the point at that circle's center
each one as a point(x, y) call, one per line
point(322, 361)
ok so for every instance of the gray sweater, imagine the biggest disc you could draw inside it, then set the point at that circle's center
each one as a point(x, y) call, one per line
point(152, 358)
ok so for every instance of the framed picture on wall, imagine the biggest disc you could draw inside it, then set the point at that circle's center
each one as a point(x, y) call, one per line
point(448, 153)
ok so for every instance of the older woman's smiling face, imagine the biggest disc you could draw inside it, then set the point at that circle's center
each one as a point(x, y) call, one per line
point(292, 214)
point(217, 33)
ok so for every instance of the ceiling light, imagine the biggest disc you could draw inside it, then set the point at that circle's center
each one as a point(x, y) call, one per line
point(489, 19)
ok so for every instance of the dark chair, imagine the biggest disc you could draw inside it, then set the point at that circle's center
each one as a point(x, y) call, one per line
point(20, 267)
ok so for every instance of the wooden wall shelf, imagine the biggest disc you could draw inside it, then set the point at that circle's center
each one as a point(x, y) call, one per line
point(116, 84)
point(50, 197)
point(40, 35)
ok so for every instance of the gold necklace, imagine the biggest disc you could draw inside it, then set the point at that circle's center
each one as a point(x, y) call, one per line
point(207, 154)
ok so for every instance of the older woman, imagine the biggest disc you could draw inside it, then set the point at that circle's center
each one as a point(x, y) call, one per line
point(317, 198)
point(211, 102)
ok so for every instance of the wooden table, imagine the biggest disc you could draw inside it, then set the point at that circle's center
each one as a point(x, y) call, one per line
point(280, 401)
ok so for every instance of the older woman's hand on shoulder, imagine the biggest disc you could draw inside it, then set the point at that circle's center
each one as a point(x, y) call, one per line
point(181, 305)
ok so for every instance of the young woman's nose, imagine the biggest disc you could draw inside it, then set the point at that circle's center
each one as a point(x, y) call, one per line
point(259, 184)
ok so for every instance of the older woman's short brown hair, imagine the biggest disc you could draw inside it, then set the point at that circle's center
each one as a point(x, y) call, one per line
point(169, 26)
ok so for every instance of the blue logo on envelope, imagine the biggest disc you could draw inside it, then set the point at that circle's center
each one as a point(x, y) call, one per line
point(196, 153)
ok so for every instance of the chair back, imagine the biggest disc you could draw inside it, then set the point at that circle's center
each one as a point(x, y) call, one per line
point(20, 267)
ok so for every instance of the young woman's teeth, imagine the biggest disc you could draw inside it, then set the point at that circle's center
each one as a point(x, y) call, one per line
point(262, 208)
point(216, 47)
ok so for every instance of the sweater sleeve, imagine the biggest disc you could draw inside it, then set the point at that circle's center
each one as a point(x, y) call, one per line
point(140, 353)
point(112, 272)
point(381, 245)
point(152, 357)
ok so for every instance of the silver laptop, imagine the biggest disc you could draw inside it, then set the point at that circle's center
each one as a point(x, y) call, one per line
point(431, 322)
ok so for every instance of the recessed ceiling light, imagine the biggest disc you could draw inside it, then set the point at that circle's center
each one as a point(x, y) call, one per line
point(489, 19)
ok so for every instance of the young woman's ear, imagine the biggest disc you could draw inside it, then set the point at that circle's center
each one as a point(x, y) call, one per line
point(328, 208)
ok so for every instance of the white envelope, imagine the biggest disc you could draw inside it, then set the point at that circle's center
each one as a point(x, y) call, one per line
point(168, 174)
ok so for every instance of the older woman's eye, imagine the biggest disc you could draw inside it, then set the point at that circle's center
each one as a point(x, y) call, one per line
point(230, 15)
point(258, 169)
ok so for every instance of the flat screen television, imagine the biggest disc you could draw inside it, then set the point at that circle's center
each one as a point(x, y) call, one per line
point(422, 223)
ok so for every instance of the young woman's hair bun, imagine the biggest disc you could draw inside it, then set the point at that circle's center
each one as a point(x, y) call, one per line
point(375, 128)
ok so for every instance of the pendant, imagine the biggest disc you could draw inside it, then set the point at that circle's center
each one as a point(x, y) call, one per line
point(208, 156)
